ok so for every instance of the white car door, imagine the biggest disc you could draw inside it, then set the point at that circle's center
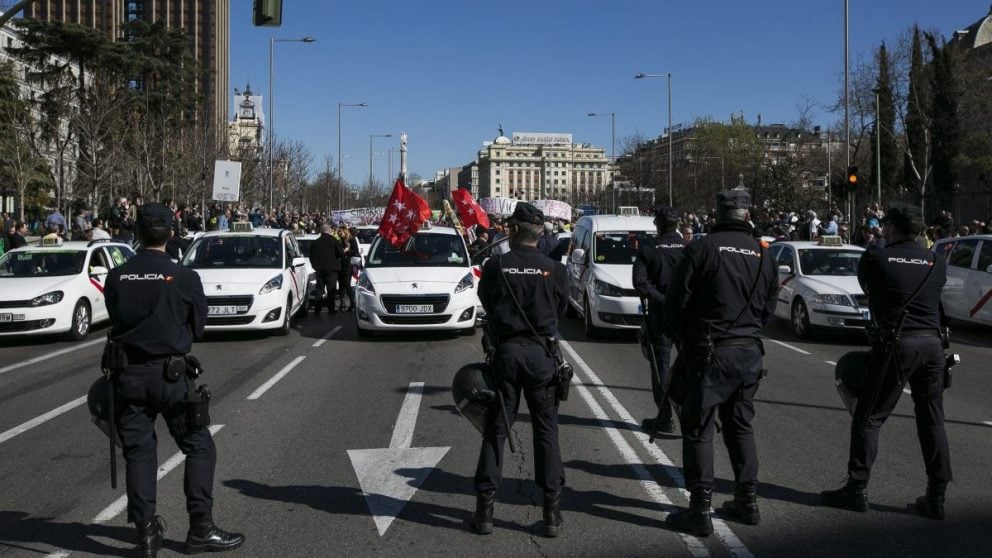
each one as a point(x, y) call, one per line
point(98, 259)
point(955, 294)
point(978, 290)
point(787, 288)
point(299, 274)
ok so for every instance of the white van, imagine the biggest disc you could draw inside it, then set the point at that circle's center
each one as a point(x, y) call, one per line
point(969, 278)
point(600, 266)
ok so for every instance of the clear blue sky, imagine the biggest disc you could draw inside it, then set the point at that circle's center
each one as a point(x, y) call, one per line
point(449, 71)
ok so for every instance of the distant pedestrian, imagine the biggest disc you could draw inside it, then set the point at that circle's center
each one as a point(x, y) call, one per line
point(326, 253)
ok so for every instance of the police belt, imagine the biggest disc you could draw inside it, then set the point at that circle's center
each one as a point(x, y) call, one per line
point(518, 339)
point(919, 334)
point(734, 342)
point(138, 356)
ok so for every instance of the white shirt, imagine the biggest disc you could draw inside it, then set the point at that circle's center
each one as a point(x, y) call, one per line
point(99, 234)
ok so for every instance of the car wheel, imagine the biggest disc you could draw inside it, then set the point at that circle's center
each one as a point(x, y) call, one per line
point(589, 329)
point(81, 321)
point(800, 320)
point(287, 319)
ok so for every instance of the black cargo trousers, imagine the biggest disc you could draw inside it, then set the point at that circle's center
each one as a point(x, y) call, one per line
point(919, 360)
point(144, 394)
point(523, 367)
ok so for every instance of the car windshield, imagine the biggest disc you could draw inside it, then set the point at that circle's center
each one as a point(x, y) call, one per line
point(620, 247)
point(42, 263)
point(838, 263)
point(428, 250)
point(235, 251)
point(366, 236)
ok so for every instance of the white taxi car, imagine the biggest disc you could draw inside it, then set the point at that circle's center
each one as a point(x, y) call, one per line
point(967, 294)
point(56, 287)
point(430, 287)
point(819, 286)
point(254, 279)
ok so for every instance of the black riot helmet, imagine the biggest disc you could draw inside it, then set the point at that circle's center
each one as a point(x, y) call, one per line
point(97, 399)
point(474, 392)
point(851, 377)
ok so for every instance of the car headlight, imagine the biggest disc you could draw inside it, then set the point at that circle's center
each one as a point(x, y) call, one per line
point(467, 282)
point(53, 297)
point(606, 289)
point(835, 299)
point(273, 284)
point(365, 284)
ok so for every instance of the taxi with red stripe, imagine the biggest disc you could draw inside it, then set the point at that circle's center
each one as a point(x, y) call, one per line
point(967, 294)
point(254, 279)
point(819, 287)
point(56, 287)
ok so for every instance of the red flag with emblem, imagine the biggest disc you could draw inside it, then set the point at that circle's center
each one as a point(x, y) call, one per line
point(404, 215)
point(469, 210)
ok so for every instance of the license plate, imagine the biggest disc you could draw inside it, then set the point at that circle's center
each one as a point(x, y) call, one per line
point(11, 317)
point(866, 315)
point(225, 310)
point(414, 308)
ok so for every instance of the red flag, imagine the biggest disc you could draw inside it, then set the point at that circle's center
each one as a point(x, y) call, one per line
point(469, 210)
point(405, 213)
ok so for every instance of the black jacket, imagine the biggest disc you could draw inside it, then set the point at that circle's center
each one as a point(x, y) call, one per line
point(326, 253)
point(539, 284)
point(155, 306)
point(890, 275)
point(654, 265)
point(711, 286)
point(17, 241)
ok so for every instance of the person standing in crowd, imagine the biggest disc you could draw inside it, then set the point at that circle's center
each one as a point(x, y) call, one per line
point(518, 302)
point(349, 249)
point(652, 270)
point(548, 244)
point(326, 253)
point(903, 282)
point(721, 295)
point(156, 310)
point(17, 238)
point(97, 232)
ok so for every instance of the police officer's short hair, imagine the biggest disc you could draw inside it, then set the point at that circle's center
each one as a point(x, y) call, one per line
point(528, 232)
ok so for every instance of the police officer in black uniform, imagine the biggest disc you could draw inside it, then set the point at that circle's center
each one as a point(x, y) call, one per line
point(721, 295)
point(653, 267)
point(156, 309)
point(891, 276)
point(522, 362)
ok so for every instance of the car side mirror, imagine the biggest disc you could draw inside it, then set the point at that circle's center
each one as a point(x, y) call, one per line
point(578, 256)
point(98, 270)
point(299, 262)
point(785, 269)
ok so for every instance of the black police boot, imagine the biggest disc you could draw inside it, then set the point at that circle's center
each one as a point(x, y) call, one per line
point(150, 537)
point(695, 520)
point(932, 504)
point(552, 514)
point(852, 496)
point(204, 536)
point(744, 506)
point(482, 521)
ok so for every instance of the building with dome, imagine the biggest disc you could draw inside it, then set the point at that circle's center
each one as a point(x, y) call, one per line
point(532, 166)
point(244, 132)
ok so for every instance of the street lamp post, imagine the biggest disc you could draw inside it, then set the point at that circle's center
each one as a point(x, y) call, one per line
point(878, 144)
point(371, 136)
point(271, 123)
point(669, 76)
point(613, 152)
point(341, 176)
point(847, 101)
point(391, 151)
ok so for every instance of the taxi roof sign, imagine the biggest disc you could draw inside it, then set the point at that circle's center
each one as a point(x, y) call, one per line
point(831, 240)
point(51, 241)
point(242, 227)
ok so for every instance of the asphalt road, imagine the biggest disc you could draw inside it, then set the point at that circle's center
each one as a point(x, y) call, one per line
point(292, 413)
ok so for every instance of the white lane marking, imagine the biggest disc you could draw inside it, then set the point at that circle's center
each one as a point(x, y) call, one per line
point(788, 346)
point(907, 391)
point(987, 422)
point(830, 362)
point(120, 504)
point(272, 381)
point(43, 358)
point(324, 339)
point(57, 555)
point(407, 419)
point(42, 419)
point(730, 540)
point(695, 546)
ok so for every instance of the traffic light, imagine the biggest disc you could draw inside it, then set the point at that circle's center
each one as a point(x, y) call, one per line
point(852, 179)
point(267, 13)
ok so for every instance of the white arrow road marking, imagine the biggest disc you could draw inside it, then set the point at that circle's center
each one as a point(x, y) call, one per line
point(389, 477)
point(119, 505)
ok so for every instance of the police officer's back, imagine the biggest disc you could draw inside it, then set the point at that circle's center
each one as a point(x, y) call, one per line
point(651, 274)
point(721, 295)
point(522, 362)
point(326, 254)
point(903, 282)
point(156, 309)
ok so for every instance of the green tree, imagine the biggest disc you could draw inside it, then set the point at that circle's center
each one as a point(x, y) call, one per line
point(20, 167)
point(885, 150)
point(916, 162)
point(946, 127)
